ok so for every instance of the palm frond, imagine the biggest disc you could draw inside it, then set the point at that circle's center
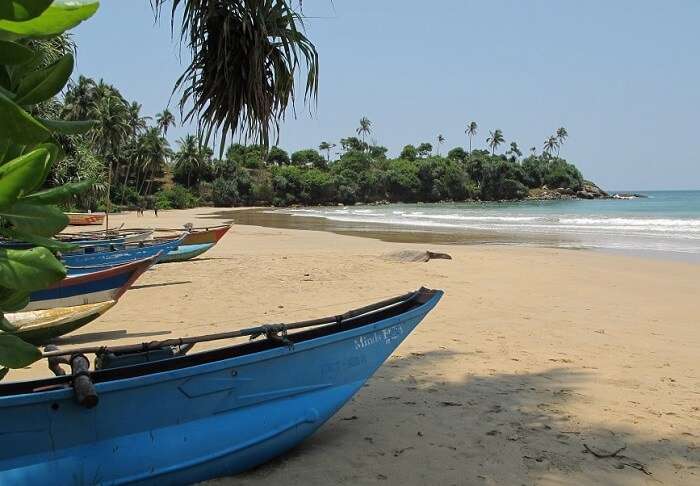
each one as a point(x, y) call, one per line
point(245, 55)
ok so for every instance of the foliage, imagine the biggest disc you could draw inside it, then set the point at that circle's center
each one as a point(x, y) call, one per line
point(176, 197)
point(308, 157)
point(277, 156)
point(245, 55)
point(29, 79)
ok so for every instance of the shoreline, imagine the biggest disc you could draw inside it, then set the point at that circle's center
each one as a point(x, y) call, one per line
point(269, 217)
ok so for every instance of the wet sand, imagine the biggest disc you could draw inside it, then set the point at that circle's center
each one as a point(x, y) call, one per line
point(532, 353)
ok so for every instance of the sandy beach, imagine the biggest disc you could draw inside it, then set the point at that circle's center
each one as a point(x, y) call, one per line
point(533, 356)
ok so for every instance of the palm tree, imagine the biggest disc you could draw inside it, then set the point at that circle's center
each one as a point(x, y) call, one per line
point(514, 151)
point(561, 134)
point(550, 144)
point(245, 58)
point(164, 120)
point(471, 132)
point(495, 139)
point(190, 157)
point(111, 130)
point(138, 125)
point(154, 152)
point(364, 128)
point(79, 98)
point(440, 141)
point(327, 147)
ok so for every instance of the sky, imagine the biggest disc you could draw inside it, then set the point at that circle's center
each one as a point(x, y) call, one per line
point(623, 77)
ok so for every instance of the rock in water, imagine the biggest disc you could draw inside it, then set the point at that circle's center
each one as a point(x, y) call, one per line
point(414, 256)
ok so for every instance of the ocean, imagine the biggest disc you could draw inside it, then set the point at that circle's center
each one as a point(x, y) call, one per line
point(666, 223)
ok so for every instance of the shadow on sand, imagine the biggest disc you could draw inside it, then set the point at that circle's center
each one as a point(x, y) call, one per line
point(415, 427)
point(163, 284)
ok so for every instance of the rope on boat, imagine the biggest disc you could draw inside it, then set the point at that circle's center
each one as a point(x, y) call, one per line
point(252, 332)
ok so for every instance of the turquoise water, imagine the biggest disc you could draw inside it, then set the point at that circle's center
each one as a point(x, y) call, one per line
point(666, 221)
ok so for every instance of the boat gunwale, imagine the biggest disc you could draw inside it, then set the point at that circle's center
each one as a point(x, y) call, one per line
point(106, 272)
point(208, 361)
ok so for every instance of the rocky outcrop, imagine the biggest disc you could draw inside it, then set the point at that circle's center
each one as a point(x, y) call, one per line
point(588, 191)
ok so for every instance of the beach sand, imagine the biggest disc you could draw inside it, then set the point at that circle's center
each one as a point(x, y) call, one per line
point(532, 353)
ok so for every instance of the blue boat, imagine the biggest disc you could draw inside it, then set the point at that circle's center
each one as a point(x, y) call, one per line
point(92, 259)
point(90, 288)
point(189, 418)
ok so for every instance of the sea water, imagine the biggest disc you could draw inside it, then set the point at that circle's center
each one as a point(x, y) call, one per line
point(666, 222)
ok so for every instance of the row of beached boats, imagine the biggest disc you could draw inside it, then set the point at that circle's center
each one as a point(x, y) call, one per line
point(101, 268)
point(152, 413)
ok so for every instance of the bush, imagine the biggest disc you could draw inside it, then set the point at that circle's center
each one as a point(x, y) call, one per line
point(177, 197)
point(308, 158)
point(224, 193)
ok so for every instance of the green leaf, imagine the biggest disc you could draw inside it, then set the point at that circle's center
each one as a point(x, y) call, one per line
point(50, 243)
point(62, 15)
point(36, 219)
point(60, 194)
point(53, 150)
point(68, 127)
point(15, 353)
point(13, 53)
point(18, 125)
point(46, 83)
point(21, 10)
point(16, 301)
point(29, 270)
point(19, 176)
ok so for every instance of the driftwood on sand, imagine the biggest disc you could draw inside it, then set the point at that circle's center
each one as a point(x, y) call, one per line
point(415, 256)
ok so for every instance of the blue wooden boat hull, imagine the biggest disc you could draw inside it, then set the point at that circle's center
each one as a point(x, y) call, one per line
point(99, 260)
point(181, 425)
point(89, 288)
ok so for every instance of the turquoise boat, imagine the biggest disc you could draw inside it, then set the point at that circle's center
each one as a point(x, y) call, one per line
point(184, 252)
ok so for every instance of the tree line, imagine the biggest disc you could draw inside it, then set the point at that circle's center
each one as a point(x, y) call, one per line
point(129, 155)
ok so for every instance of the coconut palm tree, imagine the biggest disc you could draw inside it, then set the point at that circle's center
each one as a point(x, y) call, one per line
point(327, 147)
point(514, 151)
point(164, 120)
point(190, 157)
point(495, 139)
point(440, 141)
point(154, 153)
point(79, 99)
point(245, 57)
point(551, 144)
point(364, 129)
point(471, 132)
point(561, 135)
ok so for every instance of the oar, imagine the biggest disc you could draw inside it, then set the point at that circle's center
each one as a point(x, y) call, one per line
point(266, 329)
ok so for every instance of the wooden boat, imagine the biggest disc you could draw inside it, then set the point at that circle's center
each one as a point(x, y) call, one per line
point(88, 239)
point(100, 238)
point(184, 252)
point(201, 236)
point(196, 236)
point(188, 418)
point(92, 259)
point(82, 219)
point(40, 326)
point(90, 288)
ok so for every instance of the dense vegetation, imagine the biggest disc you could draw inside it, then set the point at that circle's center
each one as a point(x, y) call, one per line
point(131, 150)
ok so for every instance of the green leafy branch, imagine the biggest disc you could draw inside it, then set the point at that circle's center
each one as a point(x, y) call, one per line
point(27, 152)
